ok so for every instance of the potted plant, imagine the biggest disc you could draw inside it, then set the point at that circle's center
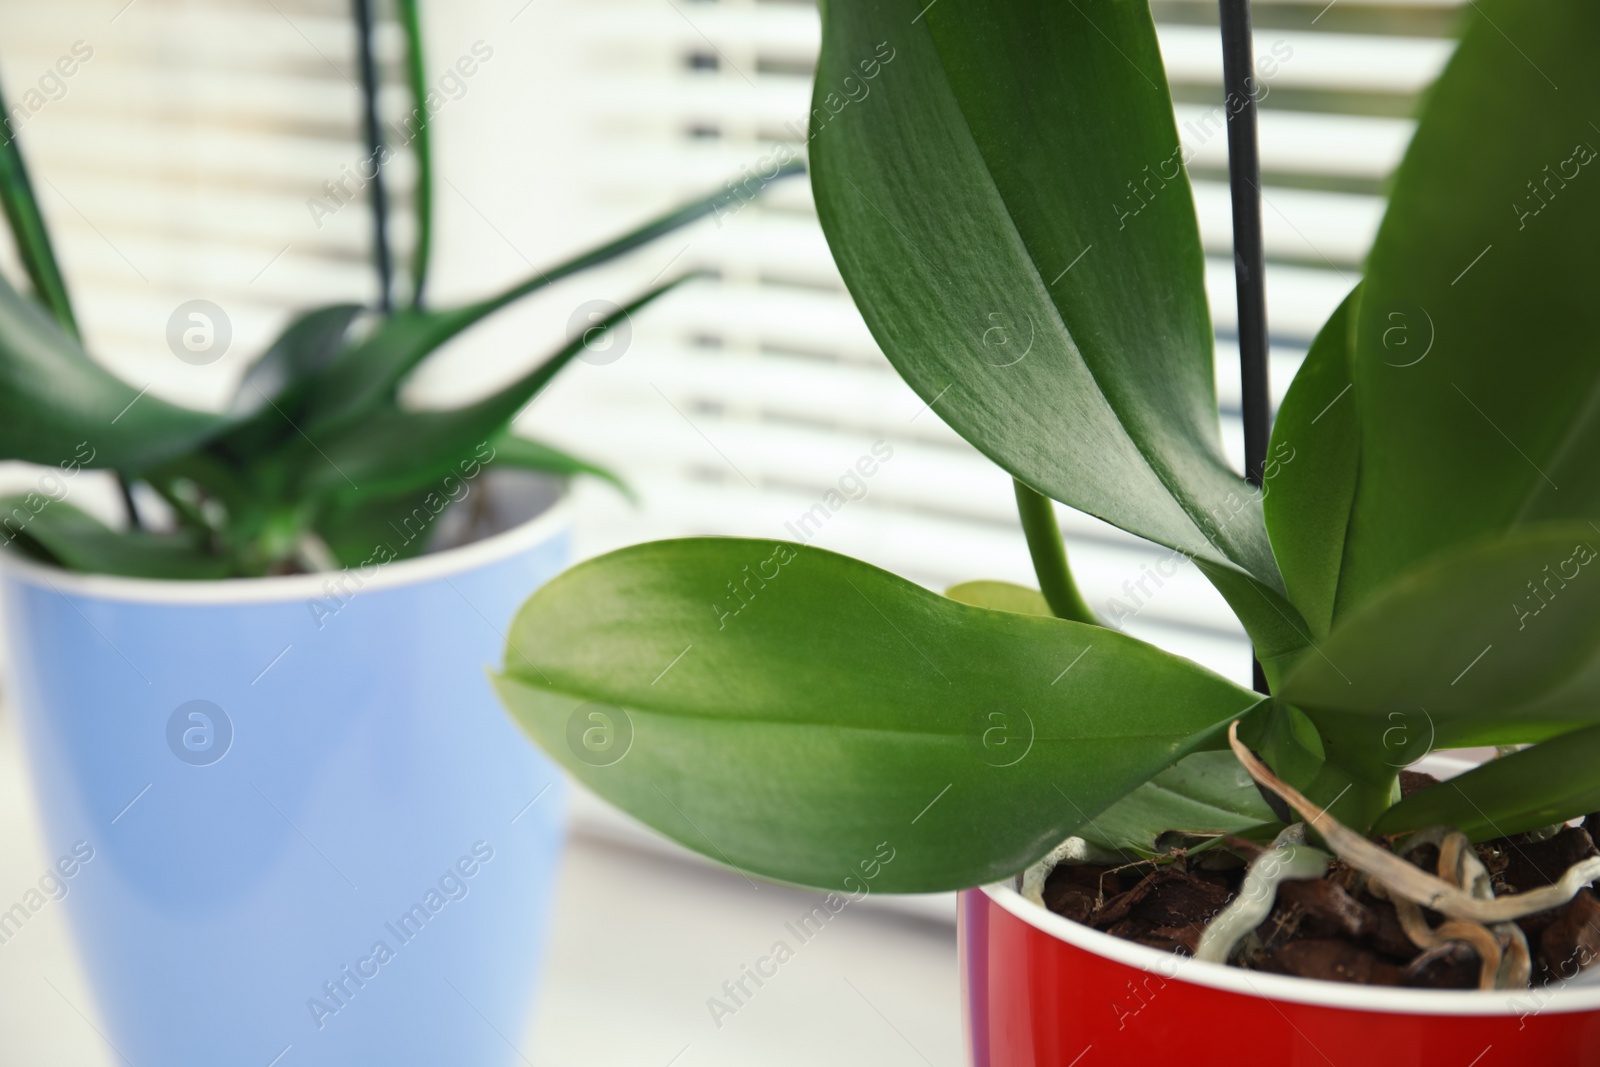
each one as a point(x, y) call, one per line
point(1170, 865)
point(282, 805)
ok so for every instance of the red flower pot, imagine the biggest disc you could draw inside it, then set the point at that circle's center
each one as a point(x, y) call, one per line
point(1043, 991)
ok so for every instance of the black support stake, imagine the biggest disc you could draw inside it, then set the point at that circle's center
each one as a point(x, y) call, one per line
point(382, 257)
point(1244, 182)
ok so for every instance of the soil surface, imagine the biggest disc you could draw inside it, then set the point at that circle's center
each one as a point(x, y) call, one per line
point(1333, 928)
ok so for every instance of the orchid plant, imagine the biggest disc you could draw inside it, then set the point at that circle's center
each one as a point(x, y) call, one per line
point(316, 463)
point(1415, 571)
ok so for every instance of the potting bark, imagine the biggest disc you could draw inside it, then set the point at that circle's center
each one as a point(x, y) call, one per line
point(1332, 928)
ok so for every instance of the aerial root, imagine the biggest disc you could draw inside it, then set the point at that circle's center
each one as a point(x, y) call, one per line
point(1074, 850)
point(1461, 891)
point(1289, 858)
point(1503, 958)
point(1404, 879)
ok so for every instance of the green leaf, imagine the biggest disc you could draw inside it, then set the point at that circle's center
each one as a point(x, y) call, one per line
point(29, 231)
point(1316, 446)
point(363, 527)
point(58, 405)
point(269, 403)
point(391, 450)
point(790, 712)
point(306, 346)
point(270, 399)
point(1001, 596)
point(56, 532)
point(367, 373)
point(360, 526)
point(1032, 268)
point(1539, 786)
point(1204, 793)
point(513, 450)
point(228, 482)
point(1287, 741)
point(1276, 629)
point(1488, 416)
point(1355, 785)
point(1498, 642)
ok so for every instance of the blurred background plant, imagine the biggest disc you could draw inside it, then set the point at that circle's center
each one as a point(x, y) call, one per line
point(316, 463)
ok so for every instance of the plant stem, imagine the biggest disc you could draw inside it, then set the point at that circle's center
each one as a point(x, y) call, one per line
point(1049, 554)
point(1244, 182)
point(28, 228)
point(1353, 797)
point(128, 505)
point(422, 148)
point(381, 256)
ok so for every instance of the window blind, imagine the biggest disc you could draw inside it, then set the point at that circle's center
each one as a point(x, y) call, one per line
point(176, 161)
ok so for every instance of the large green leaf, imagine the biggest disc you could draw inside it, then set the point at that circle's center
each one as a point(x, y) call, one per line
point(1488, 416)
point(1316, 444)
point(1001, 184)
point(1498, 642)
point(367, 373)
point(55, 401)
point(56, 532)
point(1539, 786)
point(789, 711)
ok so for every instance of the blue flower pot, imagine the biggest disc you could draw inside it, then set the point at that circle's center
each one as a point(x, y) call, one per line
point(288, 818)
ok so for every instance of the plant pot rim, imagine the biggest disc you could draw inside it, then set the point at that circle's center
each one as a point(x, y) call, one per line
point(424, 568)
point(1276, 987)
